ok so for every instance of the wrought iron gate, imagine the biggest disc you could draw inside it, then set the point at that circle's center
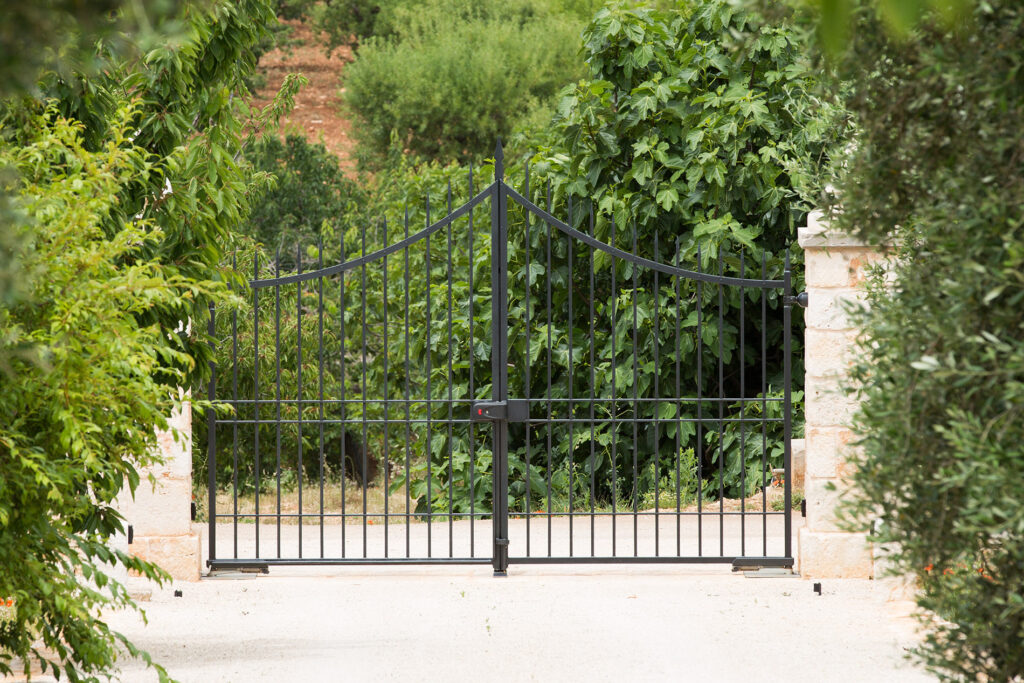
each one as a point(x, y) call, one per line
point(375, 432)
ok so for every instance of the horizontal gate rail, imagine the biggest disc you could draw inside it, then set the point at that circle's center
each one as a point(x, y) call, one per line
point(378, 255)
point(635, 258)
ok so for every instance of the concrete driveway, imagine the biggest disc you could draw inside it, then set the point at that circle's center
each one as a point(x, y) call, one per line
point(542, 623)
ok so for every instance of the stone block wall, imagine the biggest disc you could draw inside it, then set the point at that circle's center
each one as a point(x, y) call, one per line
point(835, 265)
point(161, 516)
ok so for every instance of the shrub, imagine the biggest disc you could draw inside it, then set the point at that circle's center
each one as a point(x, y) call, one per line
point(452, 75)
point(310, 188)
point(74, 351)
point(939, 166)
point(350, 22)
point(125, 183)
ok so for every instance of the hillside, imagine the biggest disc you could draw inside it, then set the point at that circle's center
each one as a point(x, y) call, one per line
point(318, 114)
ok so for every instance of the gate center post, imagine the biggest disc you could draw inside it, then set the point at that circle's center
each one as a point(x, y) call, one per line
point(499, 359)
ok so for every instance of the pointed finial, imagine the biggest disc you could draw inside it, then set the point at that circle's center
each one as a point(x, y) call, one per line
point(499, 162)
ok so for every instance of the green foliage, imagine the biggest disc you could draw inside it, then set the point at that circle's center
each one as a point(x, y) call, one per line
point(693, 118)
point(64, 448)
point(310, 188)
point(939, 167)
point(293, 9)
point(449, 76)
point(900, 17)
point(739, 190)
point(347, 22)
point(12, 243)
point(61, 34)
point(125, 183)
point(195, 128)
point(697, 130)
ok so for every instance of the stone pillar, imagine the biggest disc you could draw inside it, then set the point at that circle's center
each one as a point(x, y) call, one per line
point(834, 265)
point(161, 516)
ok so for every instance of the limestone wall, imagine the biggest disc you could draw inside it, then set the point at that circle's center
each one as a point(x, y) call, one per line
point(161, 517)
point(835, 266)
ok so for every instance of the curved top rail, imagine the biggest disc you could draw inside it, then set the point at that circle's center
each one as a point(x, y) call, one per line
point(380, 253)
point(633, 258)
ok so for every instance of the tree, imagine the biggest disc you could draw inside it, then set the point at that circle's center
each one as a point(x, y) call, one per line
point(938, 167)
point(310, 188)
point(126, 182)
point(66, 420)
point(701, 128)
point(58, 35)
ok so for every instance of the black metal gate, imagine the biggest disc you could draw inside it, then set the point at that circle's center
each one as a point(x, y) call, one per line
point(374, 421)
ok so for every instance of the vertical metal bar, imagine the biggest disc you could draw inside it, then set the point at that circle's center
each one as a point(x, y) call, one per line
point(451, 399)
point(528, 325)
point(234, 427)
point(547, 392)
point(613, 424)
point(430, 395)
point(636, 403)
point(721, 411)
point(341, 393)
point(320, 377)
point(366, 437)
point(569, 378)
point(657, 404)
point(593, 390)
point(764, 406)
point(385, 451)
point(256, 391)
point(743, 404)
point(211, 436)
point(472, 386)
point(699, 450)
point(787, 309)
point(679, 406)
point(499, 359)
point(408, 416)
point(298, 344)
point(277, 389)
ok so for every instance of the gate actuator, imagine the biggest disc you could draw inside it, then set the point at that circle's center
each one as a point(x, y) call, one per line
point(514, 410)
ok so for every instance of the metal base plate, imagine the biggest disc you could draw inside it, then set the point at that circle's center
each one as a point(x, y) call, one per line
point(770, 573)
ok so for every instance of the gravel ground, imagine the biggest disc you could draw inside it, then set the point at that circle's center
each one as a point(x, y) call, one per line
point(542, 623)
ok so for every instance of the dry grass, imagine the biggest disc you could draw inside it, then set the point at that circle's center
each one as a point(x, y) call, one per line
point(311, 501)
point(774, 497)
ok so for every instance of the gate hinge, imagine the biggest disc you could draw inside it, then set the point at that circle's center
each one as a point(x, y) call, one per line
point(803, 507)
point(501, 541)
point(800, 300)
point(515, 410)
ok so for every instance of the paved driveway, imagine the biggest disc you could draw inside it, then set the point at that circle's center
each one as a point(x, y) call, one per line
point(542, 623)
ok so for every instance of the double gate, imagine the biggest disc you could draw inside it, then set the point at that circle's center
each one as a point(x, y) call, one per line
point(516, 389)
